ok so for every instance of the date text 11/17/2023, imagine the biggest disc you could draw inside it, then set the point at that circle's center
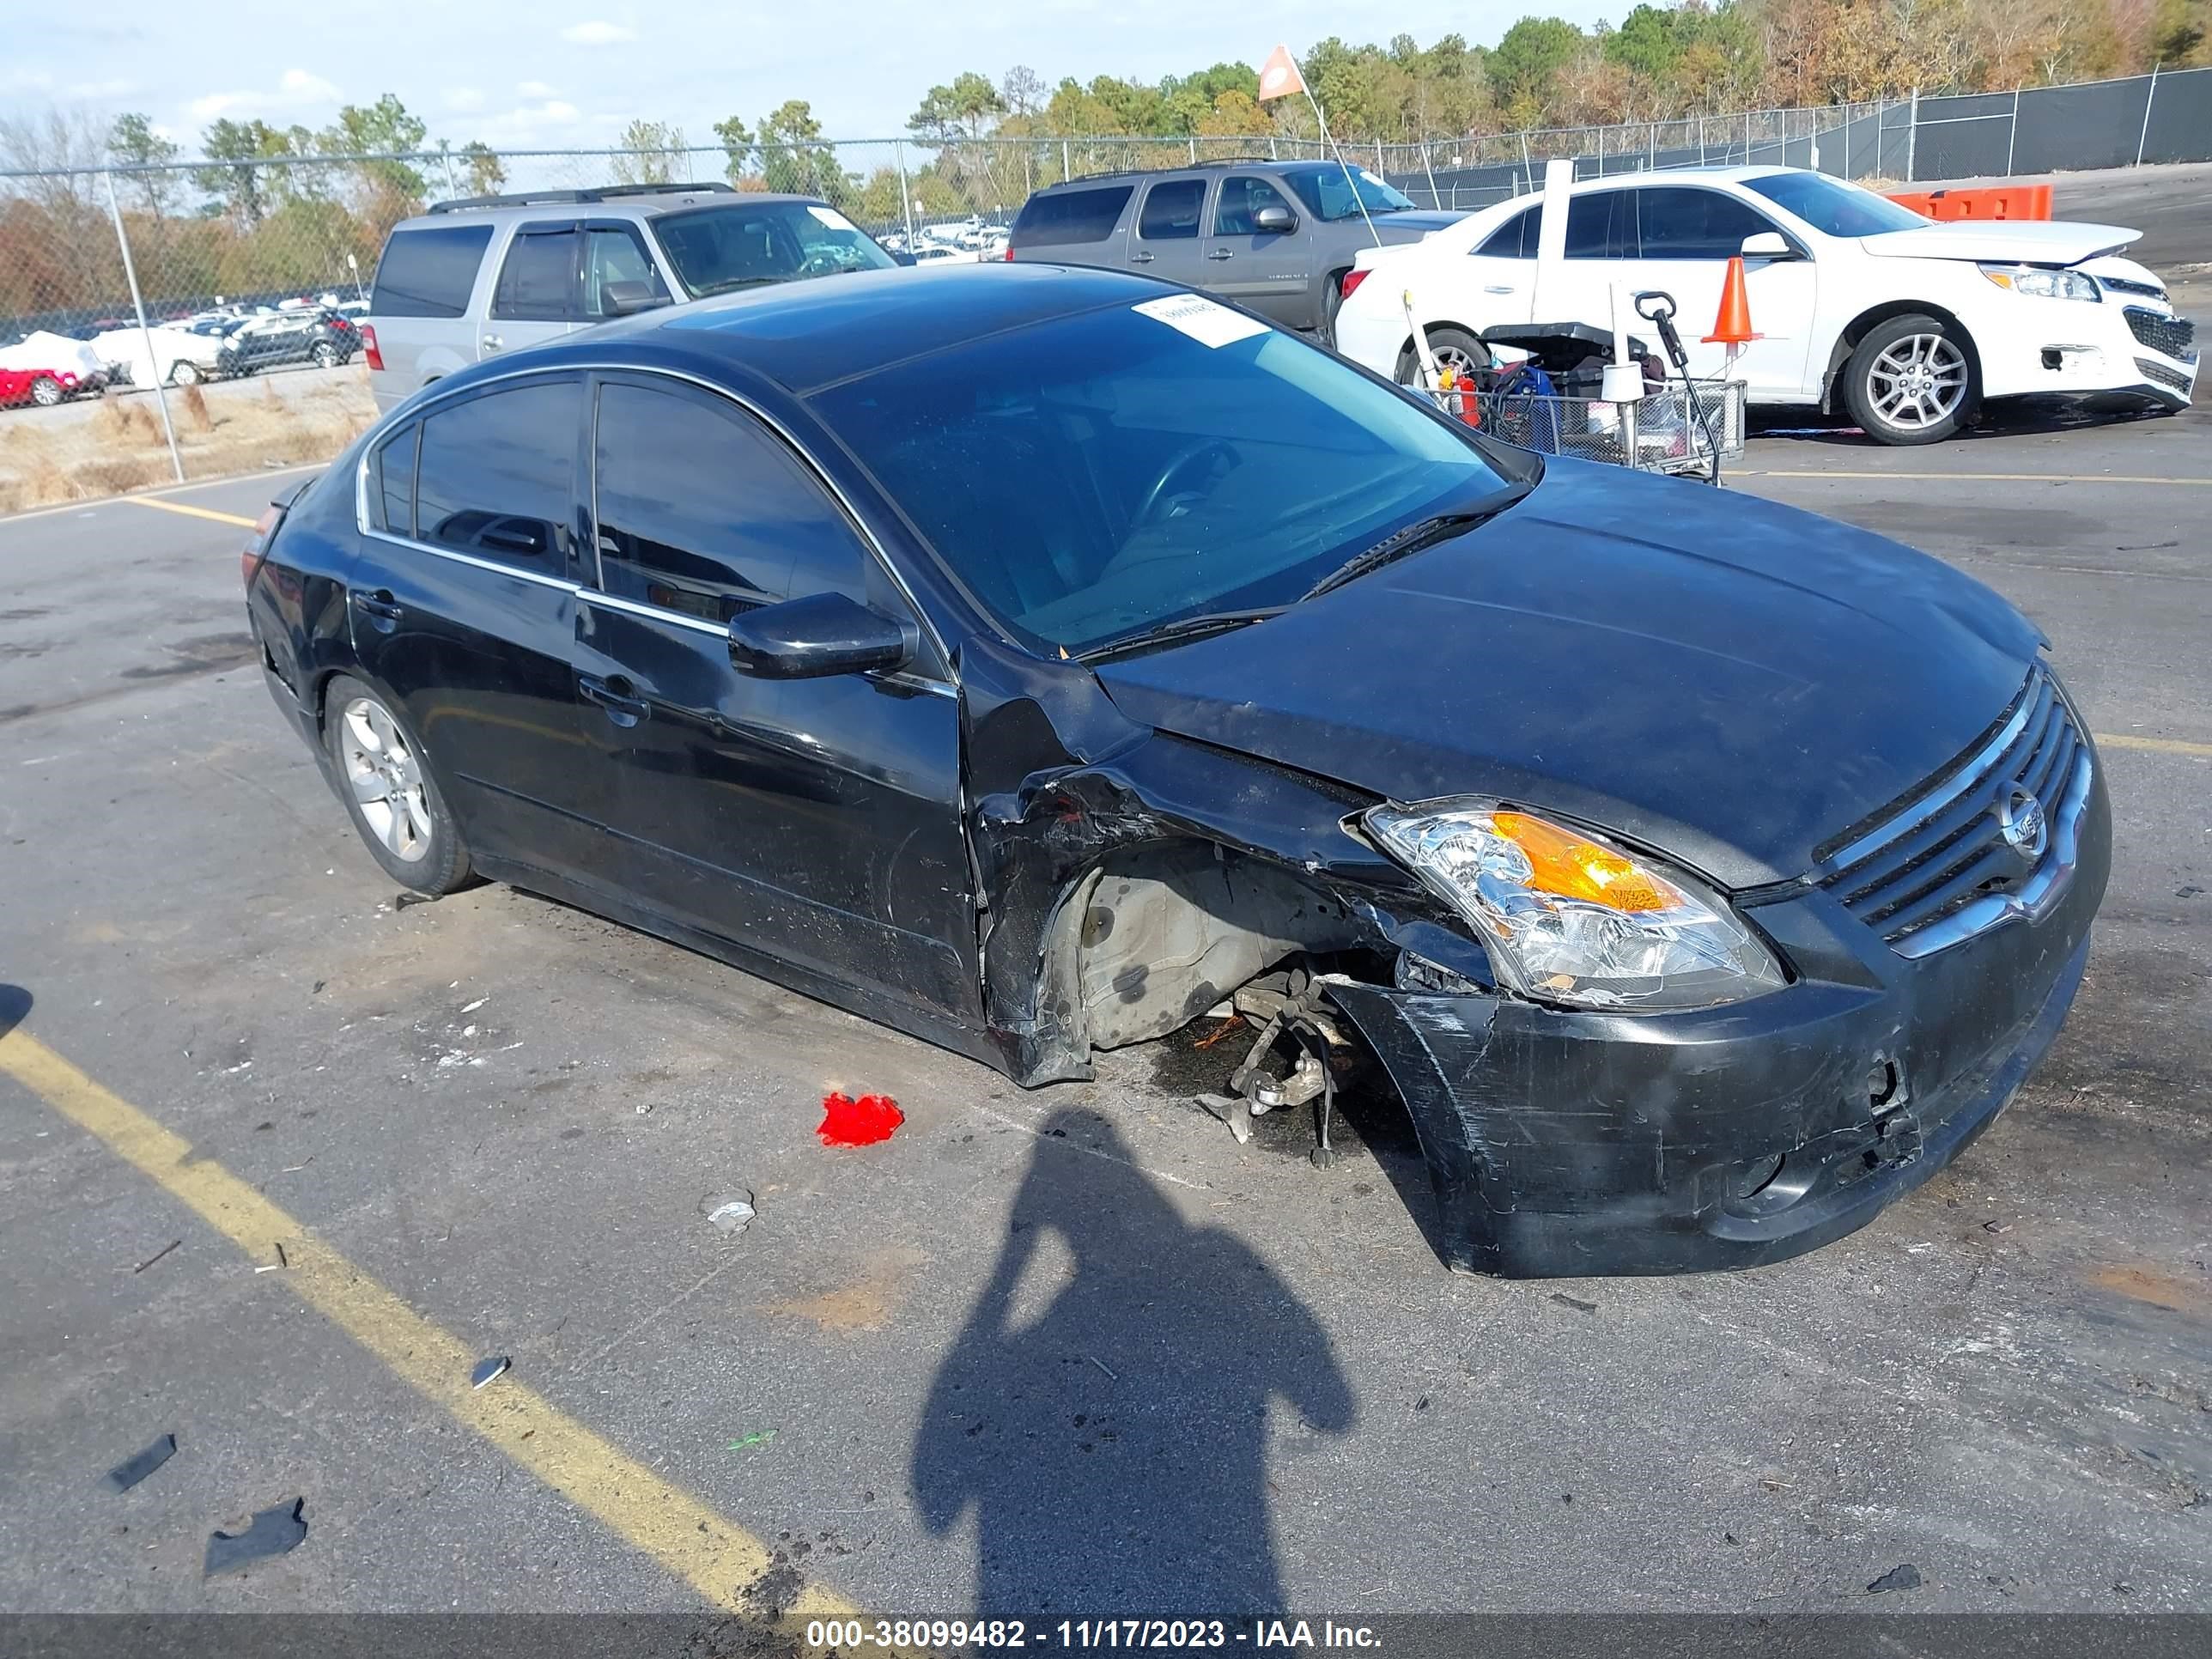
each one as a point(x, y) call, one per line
point(1001, 1634)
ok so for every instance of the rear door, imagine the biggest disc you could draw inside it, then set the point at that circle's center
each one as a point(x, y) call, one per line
point(816, 820)
point(538, 294)
point(1269, 271)
point(1686, 234)
point(1169, 240)
point(1502, 271)
point(464, 610)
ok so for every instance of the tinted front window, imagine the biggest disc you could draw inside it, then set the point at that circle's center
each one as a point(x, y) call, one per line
point(1072, 215)
point(1514, 239)
point(1833, 207)
point(1093, 475)
point(496, 475)
point(1240, 204)
point(1694, 224)
point(1597, 227)
point(537, 279)
point(1327, 190)
point(1172, 210)
point(717, 249)
point(429, 272)
point(616, 256)
point(701, 510)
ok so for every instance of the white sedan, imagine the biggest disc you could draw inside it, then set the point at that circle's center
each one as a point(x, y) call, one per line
point(1859, 304)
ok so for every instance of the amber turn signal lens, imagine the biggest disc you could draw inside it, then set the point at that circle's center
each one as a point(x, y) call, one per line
point(1562, 863)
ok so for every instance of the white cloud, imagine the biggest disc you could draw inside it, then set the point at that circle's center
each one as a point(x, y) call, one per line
point(100, 91)
point(295, 89)
point(465, 100)
point(598, 33)
point(528, 121)
point(533, 89)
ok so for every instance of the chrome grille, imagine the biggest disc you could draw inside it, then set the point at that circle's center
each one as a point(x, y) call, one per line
point(2172, 335)
point(1939, 867)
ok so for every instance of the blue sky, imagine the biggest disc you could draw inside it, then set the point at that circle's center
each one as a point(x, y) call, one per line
point(556, 73)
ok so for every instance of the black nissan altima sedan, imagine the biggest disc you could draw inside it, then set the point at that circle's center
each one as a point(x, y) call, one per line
point(1037, 660)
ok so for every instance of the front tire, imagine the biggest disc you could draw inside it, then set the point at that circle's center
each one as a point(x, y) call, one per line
point(184, 372)
point(46, 391)
point(390, 790)
point(1910, 381)
point(325, 355)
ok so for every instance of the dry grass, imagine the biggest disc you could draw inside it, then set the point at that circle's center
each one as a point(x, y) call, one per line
point(75, 455)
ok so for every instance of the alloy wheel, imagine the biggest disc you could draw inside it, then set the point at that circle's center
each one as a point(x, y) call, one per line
point(386, 778)
point(1918, 382)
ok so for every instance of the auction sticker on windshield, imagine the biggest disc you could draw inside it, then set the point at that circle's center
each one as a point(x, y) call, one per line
point(831, 218)
point(1208, 324)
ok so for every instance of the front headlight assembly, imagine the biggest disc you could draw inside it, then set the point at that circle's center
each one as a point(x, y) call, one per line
point(1569, 918)
point(2044, 283)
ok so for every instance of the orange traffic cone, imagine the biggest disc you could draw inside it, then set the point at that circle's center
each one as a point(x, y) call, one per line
point(1733, 326)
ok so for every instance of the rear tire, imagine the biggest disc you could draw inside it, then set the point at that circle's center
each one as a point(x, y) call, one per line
point(1452, 347)
point(325, 355)
point(184, 372)
point(1910, 381)
point(1332, 302)
point(46, 391)
point(391, 791)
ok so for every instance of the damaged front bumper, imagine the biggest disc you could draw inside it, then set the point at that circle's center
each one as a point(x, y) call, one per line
point(1565, 1144)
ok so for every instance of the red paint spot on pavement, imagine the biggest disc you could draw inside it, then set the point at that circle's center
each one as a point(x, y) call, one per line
point(862, 1122)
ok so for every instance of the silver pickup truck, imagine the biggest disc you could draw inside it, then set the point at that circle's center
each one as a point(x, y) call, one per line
point(1277, 236)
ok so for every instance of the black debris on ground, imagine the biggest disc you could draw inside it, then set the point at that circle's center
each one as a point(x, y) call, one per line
point(275, 1531)
point(131, 1470)
point(1905, 1578)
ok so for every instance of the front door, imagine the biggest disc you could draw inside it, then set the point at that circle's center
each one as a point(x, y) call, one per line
point(1167, 241)
point(1267, 270)
point(463, 609)
point(1687, 235)
point(537, 297)
point(816, 820)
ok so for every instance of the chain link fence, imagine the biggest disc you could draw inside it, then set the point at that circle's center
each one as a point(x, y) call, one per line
point(160, 324)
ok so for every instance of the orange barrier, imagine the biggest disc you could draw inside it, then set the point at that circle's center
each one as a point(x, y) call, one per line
point(2005, 202)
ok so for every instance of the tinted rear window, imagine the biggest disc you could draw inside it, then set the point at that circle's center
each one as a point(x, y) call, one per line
point(1514, 239)
point(1072, 215)
point(429, 272)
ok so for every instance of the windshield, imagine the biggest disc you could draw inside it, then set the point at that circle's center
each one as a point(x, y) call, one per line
point(719, 248)
point(1093, 477)
point(1831, 206)
point(1326, 195)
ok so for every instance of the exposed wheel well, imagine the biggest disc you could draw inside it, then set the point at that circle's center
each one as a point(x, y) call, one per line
point(1150, 938)
point(1872, 317)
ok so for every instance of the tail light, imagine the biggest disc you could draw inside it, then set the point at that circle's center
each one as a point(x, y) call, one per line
point(1008, 256)
point(256, 550)
point(368, 345)
point(1353, 279)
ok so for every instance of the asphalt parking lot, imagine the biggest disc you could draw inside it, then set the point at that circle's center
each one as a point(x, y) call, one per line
point(1065, 1350)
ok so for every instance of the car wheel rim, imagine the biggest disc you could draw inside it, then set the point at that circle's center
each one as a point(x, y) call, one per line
point(46, 392)
point(386, 778)
point(325, 356)
point(1918, 382)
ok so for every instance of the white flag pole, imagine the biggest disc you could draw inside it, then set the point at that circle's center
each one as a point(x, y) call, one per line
point(1322, 121)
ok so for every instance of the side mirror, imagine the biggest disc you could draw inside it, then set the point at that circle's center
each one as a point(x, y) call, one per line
point(1768, 245)
point(821, 634)
point(622, 298)
point(900, 256)
point(1273, 222)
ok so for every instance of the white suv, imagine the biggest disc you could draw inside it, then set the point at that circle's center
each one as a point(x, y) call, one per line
point(1859, 303)
point(493, 274)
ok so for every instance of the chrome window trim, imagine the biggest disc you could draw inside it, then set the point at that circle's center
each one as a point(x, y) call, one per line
point(458, 557)
point(1924, 808)
point(429, 402)
point(2035, 896)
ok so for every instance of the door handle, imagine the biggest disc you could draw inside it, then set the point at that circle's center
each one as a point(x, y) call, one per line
point(1499, 287)
point(383, 610)
point(1222, 253)
point(491, 342)
point(613, 695)
point(1140, 257)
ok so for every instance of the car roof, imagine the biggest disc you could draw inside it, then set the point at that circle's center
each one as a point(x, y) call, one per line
point(1210, 164)
point(804, 336)
point(592, 204)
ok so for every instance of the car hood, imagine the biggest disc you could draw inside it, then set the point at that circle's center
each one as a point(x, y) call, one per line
point(2024, 242)
point(1731, 681)
point(1411, 224)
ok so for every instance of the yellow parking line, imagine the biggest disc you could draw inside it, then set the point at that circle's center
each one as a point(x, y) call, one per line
point(180, 507)
point(714, 1556)
point(1969, 477)
point(2157, 745)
